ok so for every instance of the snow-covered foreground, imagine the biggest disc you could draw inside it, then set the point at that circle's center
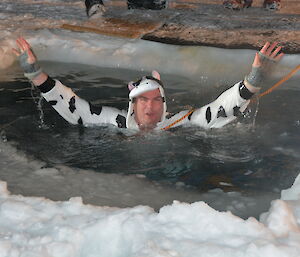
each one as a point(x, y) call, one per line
point(39, 227)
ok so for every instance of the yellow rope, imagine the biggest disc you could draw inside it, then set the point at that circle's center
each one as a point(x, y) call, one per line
point(182, 118)
point(288, 76)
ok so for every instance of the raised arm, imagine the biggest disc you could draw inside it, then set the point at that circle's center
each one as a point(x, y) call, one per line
point(29, 63)
point(233, 101)
point(269, 54)
point(71, 107)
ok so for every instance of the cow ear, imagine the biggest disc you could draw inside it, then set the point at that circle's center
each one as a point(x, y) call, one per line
point(155, 74)
point(130, 85)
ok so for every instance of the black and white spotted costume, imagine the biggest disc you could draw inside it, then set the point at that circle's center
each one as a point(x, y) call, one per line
point(78, 111)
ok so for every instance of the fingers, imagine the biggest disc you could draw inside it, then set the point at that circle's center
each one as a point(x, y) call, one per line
point(20, 48)
point(16, 52)
point(23, 45)
point(271, 48)
point(272, 51)
point(257, 61)
point(276, 51)
point(265, 47)
point(20, 45)
point(31, 57)
point(278, 57)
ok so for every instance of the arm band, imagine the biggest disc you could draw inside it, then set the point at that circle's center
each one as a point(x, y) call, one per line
point(255, 77)
point(244, 91)
point(31, 70)
point(47, 85)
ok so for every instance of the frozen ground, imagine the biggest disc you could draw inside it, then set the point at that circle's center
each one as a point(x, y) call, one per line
point(37, 226)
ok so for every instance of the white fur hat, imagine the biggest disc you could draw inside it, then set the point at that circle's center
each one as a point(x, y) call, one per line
point(145, 84)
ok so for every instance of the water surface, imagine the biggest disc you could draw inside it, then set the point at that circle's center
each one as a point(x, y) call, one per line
point(257, 153)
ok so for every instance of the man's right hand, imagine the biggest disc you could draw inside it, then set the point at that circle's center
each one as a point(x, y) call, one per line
point(27, 58)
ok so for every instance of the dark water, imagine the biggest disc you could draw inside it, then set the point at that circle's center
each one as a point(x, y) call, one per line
point(242, 156)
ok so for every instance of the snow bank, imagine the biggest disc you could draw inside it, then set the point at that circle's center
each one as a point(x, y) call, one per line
point(198, 63)
point(32, 226)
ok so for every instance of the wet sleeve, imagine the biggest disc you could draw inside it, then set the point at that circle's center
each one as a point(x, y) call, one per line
point(77, 110)
point(226, 108)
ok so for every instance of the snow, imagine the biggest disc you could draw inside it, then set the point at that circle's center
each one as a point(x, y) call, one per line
point(103, 51)
point(34, 226)
point(37, 226)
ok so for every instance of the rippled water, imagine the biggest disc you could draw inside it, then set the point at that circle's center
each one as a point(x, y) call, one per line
point(249, 155)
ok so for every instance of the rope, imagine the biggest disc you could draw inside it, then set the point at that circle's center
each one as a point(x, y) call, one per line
point(182, 118)
point(288, 76)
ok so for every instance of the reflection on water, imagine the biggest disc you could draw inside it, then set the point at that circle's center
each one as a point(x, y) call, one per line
point(237, 157)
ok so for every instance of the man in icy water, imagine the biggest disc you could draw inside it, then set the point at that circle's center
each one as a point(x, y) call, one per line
point(147, 102)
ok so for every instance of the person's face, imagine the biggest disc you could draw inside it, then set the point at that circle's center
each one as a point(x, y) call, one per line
point(148, 109)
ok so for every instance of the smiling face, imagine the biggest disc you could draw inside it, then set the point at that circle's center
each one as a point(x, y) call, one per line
point(148, 109)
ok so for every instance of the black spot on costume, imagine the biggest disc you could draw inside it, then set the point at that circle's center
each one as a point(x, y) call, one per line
point(221, 112)
point(121, 121)
point(237, 112)
point(52, 102)
point(72, 107)
point(208, 115)
point(95, 109)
